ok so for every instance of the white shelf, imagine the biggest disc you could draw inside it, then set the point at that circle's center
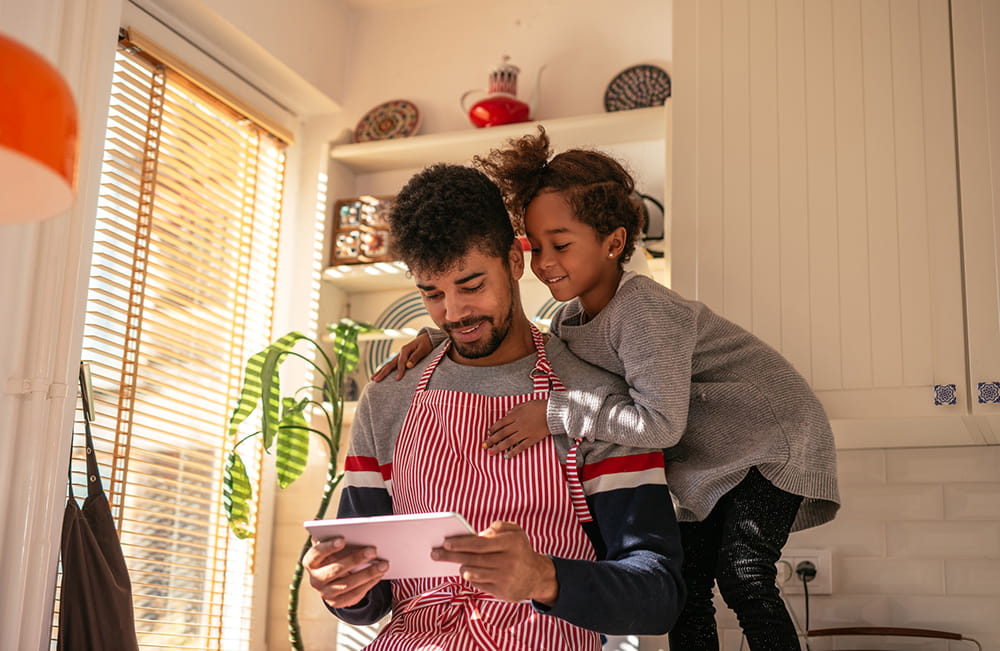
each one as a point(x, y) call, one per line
point(596, 130)
point(368, 277)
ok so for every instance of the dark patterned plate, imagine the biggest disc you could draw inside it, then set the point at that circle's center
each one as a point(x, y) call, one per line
point(637, 87)
point(396, 119)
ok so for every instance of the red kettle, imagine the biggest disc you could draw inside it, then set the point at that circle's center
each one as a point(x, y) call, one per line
point(501, 106)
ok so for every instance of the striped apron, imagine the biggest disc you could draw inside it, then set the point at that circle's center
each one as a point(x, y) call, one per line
point(439, 464)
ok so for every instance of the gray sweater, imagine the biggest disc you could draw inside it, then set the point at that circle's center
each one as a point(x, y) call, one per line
point(723, 397)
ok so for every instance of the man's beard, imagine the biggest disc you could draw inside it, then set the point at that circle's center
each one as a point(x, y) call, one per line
point(482, 347)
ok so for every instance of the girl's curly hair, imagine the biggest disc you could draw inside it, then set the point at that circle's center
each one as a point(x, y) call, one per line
point(598, 188)
point(443, 213)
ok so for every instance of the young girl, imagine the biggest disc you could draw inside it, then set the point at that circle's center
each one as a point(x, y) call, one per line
point(751, 453)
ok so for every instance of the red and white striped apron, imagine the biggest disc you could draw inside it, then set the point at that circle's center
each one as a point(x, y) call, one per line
point(439, 464)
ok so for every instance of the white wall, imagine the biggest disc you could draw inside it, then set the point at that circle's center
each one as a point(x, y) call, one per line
point(308, 36)
point(430, 53)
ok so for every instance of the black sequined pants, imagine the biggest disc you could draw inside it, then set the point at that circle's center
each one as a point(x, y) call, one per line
point(737, 546)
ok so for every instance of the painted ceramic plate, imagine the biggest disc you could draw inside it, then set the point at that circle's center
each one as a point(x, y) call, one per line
point(637, 87)
point(396, 119)
point(406, 312)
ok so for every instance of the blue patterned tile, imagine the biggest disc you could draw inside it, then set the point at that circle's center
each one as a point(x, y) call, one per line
point(944, 394)
point(989, 392)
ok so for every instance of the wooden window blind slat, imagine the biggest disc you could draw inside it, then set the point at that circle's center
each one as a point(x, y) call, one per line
point(184, 255)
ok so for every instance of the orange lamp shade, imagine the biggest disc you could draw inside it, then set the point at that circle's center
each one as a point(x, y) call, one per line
point(38, 136)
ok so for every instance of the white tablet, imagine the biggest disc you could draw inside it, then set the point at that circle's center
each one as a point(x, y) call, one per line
point(403, 540)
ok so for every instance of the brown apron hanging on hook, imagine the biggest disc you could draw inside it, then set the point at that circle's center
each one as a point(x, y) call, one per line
point(95, 605)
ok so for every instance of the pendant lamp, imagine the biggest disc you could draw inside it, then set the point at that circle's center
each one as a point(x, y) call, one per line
point(38, 136)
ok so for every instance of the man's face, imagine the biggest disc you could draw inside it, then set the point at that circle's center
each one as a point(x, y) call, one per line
point(474, 304)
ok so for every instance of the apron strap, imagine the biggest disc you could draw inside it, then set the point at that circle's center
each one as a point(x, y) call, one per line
point(576, 495)
point(94, 485)
point(426, 375)
point(545, 379)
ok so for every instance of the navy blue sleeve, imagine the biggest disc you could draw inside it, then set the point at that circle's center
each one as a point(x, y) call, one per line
point(358, 502)
point(635, 588)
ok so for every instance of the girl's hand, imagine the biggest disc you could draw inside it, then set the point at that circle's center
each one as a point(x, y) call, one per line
point(410, 354)
point(522, 427)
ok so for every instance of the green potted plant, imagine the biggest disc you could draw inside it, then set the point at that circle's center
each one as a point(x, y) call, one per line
point(285, 427)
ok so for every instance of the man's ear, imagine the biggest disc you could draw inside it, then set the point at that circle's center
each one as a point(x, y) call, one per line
point(516, 259)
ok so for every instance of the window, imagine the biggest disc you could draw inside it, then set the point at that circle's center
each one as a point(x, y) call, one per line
point(181, 292)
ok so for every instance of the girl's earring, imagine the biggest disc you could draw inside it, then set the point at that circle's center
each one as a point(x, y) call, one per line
point(611, 255)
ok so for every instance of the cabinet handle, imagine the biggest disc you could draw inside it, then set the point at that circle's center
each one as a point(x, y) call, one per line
point(989, 392)
point(944, 394)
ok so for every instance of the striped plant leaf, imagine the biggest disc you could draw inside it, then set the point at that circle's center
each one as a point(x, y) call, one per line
point(261, 380)
point(292, 448)
point(345, 342)
point(236, 495)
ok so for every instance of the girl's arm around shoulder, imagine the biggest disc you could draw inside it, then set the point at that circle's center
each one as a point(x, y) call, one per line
point(597, 404)
point(654, 335)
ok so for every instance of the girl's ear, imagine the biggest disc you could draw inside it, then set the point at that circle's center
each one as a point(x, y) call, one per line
point(615, 242)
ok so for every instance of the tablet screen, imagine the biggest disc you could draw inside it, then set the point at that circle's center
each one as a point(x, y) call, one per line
point(403, 540)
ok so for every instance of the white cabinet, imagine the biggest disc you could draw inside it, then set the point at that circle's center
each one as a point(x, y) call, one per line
point(977, 105)
point(816, 202)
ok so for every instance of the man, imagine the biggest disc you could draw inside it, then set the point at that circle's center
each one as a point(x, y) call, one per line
point(575, 538)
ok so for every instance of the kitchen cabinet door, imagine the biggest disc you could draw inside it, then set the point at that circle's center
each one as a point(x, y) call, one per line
point(815, 201)
point(977, 102)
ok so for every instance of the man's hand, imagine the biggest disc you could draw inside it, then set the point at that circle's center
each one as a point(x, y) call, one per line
point(333, 571)
point(522, 426)
point(414, 351)
point(501, 562)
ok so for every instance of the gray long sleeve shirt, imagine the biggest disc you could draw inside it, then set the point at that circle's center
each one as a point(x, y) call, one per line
point(726, 399)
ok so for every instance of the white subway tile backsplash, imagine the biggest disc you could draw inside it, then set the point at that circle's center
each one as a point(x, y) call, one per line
point(828, 611)
point(972, 577)
point(945, 539)
point(892, 502)
point(957, 464)
point(947, 613)
point(724, 617)
point(888, 576)
point(916, 543)
point(989, 640)
point(980, 501)
point(844, 537)
point(731, 640)
point(861, 466)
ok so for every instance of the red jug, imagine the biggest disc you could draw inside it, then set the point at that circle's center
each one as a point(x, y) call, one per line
point(501, 106)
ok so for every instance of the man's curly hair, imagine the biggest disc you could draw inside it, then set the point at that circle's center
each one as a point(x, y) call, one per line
point(599, 189)
point(443, 213)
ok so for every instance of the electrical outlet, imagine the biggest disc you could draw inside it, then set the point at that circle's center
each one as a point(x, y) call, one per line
point(821, 558)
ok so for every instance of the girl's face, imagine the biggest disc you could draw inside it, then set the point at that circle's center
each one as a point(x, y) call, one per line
point(569, 256)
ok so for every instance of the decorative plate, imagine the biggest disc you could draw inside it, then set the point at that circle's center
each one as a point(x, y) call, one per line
point(396, 119)
point(407, 311)
point(637, 87)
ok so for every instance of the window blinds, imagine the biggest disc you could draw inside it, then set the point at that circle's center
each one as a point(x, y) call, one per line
point(181, 292)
